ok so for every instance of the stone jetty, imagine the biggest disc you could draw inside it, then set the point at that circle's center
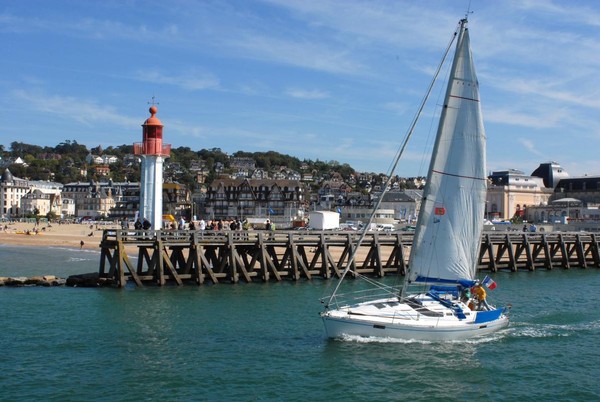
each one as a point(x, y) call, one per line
point(45, 280)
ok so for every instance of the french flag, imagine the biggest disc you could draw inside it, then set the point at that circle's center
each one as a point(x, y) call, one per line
point(489, 283)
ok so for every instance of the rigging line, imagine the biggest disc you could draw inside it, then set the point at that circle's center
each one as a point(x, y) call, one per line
point(393, 168)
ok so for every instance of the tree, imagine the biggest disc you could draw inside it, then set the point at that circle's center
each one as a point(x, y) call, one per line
point(20, 149)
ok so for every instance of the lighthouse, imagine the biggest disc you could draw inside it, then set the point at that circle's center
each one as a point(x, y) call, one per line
point(153, 153)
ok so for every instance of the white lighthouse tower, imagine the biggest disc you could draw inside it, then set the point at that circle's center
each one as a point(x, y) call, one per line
point(153, 152)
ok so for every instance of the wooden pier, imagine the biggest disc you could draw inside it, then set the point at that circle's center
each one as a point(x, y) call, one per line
point(199, 257)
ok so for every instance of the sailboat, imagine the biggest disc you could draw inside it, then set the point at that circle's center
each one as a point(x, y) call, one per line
point(434, 303)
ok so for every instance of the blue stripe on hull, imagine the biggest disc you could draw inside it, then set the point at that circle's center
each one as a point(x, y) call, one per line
point(487, 316)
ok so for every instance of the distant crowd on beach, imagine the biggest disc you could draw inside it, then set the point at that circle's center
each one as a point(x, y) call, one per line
point(36, 229)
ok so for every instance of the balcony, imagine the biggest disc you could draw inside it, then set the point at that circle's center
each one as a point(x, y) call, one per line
point(152, 148)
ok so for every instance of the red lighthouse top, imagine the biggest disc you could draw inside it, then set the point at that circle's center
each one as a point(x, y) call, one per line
point(152, 137)
point(153, 120)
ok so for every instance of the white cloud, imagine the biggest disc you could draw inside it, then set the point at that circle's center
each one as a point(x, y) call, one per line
point(305, 54)
point(520, 118)
point(192, 81)
point(530, 146)
point(573, 13)
point(306, 93)
point(83, 111)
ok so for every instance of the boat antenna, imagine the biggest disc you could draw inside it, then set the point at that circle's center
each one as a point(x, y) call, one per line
point(393, 168)
point(468, 11)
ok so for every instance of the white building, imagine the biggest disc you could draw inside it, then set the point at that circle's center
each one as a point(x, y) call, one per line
point(12, 189)
point(19, 196)
point(41, 203)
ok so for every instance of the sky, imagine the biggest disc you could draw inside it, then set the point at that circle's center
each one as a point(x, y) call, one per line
point(329, 80)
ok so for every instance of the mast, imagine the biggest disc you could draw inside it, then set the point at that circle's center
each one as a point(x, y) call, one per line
point(450, 222)
point(393, 169)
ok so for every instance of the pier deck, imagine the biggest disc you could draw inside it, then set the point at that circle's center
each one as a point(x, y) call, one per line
point(200, 257)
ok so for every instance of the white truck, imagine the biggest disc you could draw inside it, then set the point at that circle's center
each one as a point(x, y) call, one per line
point(324, 220)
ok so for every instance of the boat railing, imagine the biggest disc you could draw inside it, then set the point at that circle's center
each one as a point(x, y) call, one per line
point(345, 299)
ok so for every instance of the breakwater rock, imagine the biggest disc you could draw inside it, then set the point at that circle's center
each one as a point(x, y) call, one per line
point(89, 280)
point(46, 280)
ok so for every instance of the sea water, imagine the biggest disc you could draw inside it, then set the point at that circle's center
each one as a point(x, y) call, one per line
point(266, 342)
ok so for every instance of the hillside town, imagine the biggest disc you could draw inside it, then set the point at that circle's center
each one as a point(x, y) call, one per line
point(237, 187)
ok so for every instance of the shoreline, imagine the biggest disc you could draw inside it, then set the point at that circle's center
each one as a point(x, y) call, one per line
point(54, 235)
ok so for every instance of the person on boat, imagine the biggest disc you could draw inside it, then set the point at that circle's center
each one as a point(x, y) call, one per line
point(480, 295)
point(465, 295)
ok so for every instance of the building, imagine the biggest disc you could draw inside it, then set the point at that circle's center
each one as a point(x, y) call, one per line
point(96, 204)
point(68, 208)
point(586, 189)
point(19, 197)
point(102, 170)
point(560, 211)
point(92, 198)
point(177, 200)
point(362, 214)
point(511, 191)
point(280, 200)
point(238, 162)
point(13, 161)
point(127, 203)
point(101, 159)
point(405, 204)
point(12, 189)
point(574, 200)
point(332, 193)
point(37, 202)
point(551, 173)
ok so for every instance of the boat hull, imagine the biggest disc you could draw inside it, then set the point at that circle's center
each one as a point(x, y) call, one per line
point(355, 321)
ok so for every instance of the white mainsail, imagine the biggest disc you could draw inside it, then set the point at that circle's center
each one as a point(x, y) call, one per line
point(446, 242)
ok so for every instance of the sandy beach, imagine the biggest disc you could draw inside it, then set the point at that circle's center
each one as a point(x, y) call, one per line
point(54, 235)
point(71, 236)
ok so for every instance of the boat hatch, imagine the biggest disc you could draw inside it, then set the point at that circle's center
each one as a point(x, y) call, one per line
point(423, 310)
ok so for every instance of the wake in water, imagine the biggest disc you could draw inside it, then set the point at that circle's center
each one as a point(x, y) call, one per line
point(549, 330)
